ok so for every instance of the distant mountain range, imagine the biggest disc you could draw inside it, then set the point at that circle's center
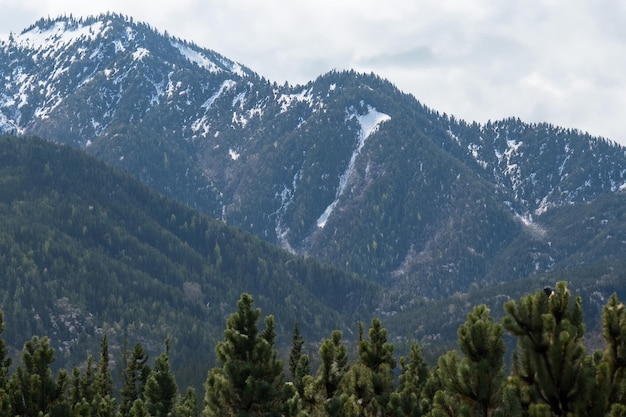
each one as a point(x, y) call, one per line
point(346, 169)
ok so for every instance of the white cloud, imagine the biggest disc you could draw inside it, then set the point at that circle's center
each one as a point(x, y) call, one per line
point(540, 60)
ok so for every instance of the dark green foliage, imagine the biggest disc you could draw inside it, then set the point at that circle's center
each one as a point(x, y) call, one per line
point(334, 364)
point(5, 362)
point(321, 393)
point(249, 381)
point(296, 350)
point(368, 384)
point(161, 390)
point(299, 364)
point(550, 357)
point(187, 405)
point(471, 384)
point(32, 388)
point(135, 375)
point(614, 358)
point(407, 399)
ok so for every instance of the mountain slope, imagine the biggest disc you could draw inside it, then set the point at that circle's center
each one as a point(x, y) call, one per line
point(346, 168)
point(88, 251)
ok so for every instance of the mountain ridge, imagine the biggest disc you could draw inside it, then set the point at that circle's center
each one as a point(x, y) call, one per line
point(345, 168)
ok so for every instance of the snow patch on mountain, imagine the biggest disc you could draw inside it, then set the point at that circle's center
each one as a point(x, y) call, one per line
point(57, 37)
point(226, 85)
point(287, 100)
point(200, 59)
point(197, 58)
point(286, 199)
point(369, 122)
point(233, 154)
point(140, 54)
point(201, 127)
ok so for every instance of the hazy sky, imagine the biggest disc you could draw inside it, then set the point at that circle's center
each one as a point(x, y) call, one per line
point(560, 61)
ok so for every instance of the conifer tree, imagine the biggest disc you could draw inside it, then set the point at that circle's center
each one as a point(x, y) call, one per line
point(103, 403)
point(296, 350)
point(160, 392)
point(614, 357)
point(549, 365)
point(368, 384)
point(299, 364)
point(135, 376)
point(5, 362)
point(103, 379)
point(187, 405)
point(320, 397)
point(74, 391)
point(334, 363)
point(249, 382)
point(471, 384)
point(303, 370)
point(32, 388)
point(139, 409)
point(406, 401)
point(87, 386)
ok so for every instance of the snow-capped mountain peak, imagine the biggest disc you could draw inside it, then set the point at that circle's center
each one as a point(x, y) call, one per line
point(346, 168)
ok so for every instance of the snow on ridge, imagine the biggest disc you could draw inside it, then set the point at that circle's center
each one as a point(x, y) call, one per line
point(197, 58)
point(369, 123)
point(140, 54)
point(57, 36)
point(286, 100)
point(226, 85)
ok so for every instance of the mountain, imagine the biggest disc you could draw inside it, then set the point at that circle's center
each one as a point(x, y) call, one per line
point(346, 169)
point(86, 250)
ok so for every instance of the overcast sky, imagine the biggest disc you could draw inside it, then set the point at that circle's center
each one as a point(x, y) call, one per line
point(560, 61)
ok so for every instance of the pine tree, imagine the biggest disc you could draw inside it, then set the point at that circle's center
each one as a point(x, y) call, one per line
point(334, 364)
point(32, 388)
point(614, 357)
point(406, 401)
point(87, 386)
point(299, 364)
point(472, 383)
point(321, 395)
point(5, 362)
point(135, 376)
point(187, 406)
point(367, 386)
point(139, 409)
point(296, 350)
point(549, 365)
point(103, 403)
point(103, 380)
point(250, 379)
point(160, 392)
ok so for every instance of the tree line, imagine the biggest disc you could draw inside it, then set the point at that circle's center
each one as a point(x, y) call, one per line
point(550, 374)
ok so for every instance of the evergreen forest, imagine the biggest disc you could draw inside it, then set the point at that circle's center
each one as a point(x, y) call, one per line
point(550, 373)
point(86, 250)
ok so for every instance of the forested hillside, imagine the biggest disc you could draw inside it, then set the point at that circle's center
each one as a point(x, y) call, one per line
point(551, 373)
point(86, 251)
